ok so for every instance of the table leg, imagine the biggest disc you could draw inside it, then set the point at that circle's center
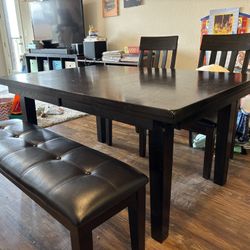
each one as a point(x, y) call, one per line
point(160, 170)
point(225, 124)
point(108, 131)
point(101, 129)
point(104, 130)
point(28, 107)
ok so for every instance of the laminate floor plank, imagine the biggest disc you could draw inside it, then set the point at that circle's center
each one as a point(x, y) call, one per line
point(203, 214)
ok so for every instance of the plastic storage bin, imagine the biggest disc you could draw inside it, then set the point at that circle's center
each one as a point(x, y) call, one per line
point(5, 108)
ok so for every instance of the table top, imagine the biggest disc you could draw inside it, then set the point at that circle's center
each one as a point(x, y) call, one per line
point(165, 95)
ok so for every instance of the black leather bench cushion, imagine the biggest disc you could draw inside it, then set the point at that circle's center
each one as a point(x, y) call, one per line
point(77, 181)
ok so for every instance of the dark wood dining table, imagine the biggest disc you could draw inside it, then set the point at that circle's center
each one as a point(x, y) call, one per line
point(158, 100)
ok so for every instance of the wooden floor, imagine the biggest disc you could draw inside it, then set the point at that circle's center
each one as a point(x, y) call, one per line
point(203, 215)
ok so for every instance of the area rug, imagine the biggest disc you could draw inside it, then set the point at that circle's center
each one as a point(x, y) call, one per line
point(48, 120)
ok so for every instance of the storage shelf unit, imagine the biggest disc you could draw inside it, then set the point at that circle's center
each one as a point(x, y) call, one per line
point(41, 62)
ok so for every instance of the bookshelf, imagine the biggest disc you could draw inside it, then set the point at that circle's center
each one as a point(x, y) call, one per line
point(40, 61)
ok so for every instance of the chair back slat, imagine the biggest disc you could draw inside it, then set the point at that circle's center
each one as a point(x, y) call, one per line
point(157, 58)
point(225, 43)
point(164, 59)
point(212, 57)
point(149, 59)
point(201, 58)
point(246, 62)
point(223, 58)
point(154, 51)
point(174, 53)
point(232, 61)
point(141, 56)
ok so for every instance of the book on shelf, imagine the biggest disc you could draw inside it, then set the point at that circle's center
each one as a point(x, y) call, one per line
point(112, 56)
point(33, 65)
point(57, 64)
point(69, 65)
point(45, 65)
point(128, 57)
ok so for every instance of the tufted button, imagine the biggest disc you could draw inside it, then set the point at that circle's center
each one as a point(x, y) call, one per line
point(58, 158)
point(87, 173)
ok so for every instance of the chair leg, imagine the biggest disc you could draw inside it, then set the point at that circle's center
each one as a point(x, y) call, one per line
point(81, 239)
point(209, 152)
point(190, 139)
point(136, 212)
point(137, 129)
point(237, 106)
point(142, 142)
point(233, 143)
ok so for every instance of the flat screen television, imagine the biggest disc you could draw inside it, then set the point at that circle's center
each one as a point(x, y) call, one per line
point(58, 20)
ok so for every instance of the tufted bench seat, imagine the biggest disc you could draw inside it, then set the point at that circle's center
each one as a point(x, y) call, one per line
point(78, 186)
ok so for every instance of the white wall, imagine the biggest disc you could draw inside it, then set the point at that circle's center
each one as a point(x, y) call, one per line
point(158, 17)
point(154, 17)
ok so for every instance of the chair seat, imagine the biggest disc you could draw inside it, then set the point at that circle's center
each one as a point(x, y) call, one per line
point(209, 121)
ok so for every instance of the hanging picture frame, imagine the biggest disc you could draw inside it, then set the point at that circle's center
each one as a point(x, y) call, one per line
point(110, 8)
point(132, 3)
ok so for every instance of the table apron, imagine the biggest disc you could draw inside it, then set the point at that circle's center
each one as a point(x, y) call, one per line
point(94, 109)
point(127, 114)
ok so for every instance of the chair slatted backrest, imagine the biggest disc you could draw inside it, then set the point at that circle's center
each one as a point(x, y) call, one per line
point(225, 44)
point(154, 51)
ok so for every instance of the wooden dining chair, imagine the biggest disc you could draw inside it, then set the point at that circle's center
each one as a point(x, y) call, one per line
point(154, 53)
point(223, 49)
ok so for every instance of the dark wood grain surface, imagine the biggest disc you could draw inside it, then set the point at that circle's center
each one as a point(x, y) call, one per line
point(164, 95)
point(203, 216)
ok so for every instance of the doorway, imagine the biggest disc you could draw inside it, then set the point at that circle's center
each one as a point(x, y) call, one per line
point(14, 33)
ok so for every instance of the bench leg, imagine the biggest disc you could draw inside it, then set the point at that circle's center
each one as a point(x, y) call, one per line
point(136, 212)
point(81, 239)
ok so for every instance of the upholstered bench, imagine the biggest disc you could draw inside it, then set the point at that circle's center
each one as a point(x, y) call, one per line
point(78, 186)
